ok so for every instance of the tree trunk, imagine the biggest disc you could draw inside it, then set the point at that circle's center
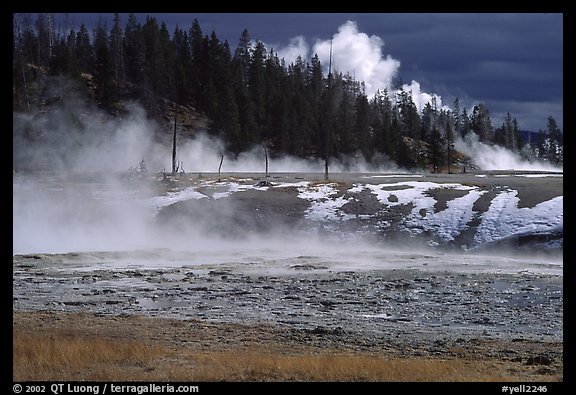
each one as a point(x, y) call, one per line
point(174, 143)
point(220, 167)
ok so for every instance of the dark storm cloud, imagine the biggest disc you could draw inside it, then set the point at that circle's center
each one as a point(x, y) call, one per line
point(499, 59)
point(509, 58)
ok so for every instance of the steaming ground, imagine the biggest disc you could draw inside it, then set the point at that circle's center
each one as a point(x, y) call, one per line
point(411, 257)
point(473, 211)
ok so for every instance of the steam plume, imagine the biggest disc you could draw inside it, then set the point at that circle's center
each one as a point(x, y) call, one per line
point(360, 55)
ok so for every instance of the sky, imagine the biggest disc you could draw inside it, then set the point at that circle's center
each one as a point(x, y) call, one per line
point(512, 62)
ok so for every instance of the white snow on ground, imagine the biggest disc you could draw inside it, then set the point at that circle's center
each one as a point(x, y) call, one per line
point(324, 206)
point(235, 187)
point(504, 218)
point(396, 176)
point(301, 184)
point(447, 223)
point(192, 193)
point(539, 175)
point(174, 197)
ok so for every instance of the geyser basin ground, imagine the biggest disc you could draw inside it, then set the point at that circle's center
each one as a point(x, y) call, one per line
point(342, 275)
point(413, 294)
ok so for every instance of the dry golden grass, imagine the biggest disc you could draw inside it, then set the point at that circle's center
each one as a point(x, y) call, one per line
point(54, 346)
point(253, 366)
point(67, 358)
point(77, 358)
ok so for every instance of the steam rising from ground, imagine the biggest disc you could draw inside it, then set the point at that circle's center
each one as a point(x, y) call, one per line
point(352, 52)
point(494, 157)
point(56, 214)
point(73, 187)
point(359, 55)
point(76, 138)
point(59, 214)
point(203, 154)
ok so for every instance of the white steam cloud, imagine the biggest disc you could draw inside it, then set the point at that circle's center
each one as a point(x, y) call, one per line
point(297, 47)
point(494, 157)
point(361, 56)
point(96, 143)
point(203, 154)
point(421, 98)
point(80, 139)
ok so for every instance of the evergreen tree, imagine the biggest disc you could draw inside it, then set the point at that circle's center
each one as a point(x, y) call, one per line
point(457, 117)
point(409, 116)
point(117, 54)
point(63, 61)
point(227, 103)
point(103, 69)
point(152, 58)
point(199, 71)
point(363, 127)
point(517, 140)
point(409, 154)
point(301, 116)
point(221, 101)
point(507, 135)
point(276, 128)
point(23, 76)
point(134, 55)
point(167, 64)
point(381, 110)
point(466, 126)
point(315, 88)
point(428, 121)
point(481, 123)
point(84, 51)
point(182, 66)
point(449, 142)
point(240, 66)
point(256, 88)
point(45, 39)
point(436, 145)
point(553, 151)
point(345, 140)
point(242, 57)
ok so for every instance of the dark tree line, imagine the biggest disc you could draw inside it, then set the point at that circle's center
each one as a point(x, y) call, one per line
point(251, 96)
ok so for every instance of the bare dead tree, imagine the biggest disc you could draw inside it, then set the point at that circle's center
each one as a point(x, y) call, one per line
point(265, 146)
point(174, 164)
point(220, 167)
point(329, 97)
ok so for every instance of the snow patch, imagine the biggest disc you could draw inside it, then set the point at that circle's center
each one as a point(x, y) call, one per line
point(323, 207)
point(504, 218)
